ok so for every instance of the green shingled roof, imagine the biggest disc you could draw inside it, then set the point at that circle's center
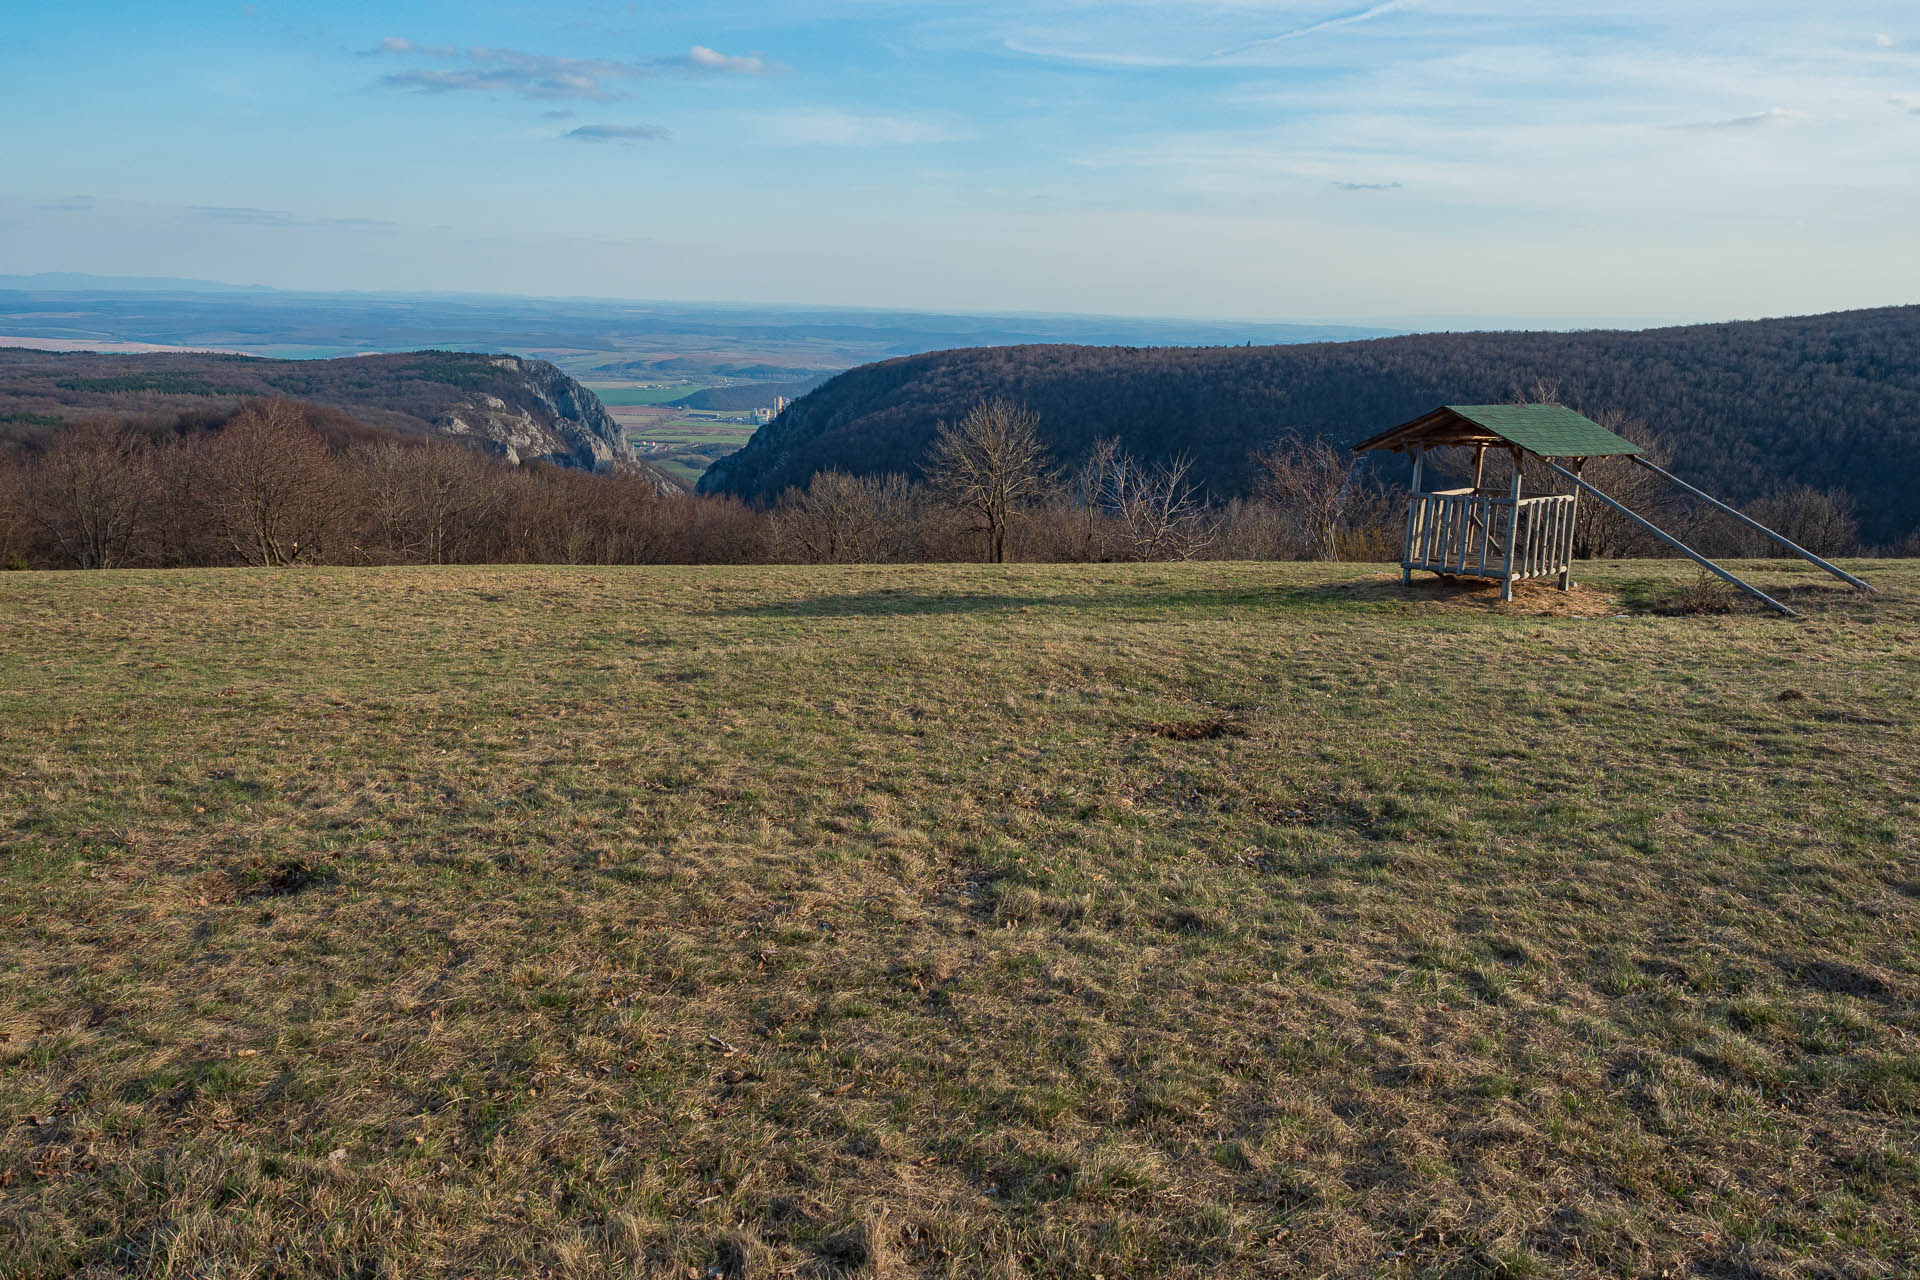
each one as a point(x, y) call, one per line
point(1549, 430)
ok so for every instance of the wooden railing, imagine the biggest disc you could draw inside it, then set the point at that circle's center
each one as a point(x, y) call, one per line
point(1466, 533)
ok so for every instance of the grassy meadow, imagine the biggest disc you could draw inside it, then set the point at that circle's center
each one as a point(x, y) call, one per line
point(1197, 920)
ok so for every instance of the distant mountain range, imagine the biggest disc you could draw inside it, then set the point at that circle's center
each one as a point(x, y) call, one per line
point(523, 410)
point(587, 337)
point(1831, 400)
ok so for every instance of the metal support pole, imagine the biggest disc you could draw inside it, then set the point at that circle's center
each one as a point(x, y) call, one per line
point(1675, 543)
point(1757, 527)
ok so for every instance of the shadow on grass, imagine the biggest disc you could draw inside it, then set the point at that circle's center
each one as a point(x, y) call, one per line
point(1708, 595)
point(1637, 596)
point(1348, 596)
point(1127, 600)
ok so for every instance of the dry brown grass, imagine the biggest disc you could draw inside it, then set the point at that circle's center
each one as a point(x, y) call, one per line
point(865, 921)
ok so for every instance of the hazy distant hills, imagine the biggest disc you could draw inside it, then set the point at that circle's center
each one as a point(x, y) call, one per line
point(587, 337)
point(1831, 400)
point(520, 409)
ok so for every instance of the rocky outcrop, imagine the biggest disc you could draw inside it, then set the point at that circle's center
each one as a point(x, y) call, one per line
point(531, 411)
point(520, 409)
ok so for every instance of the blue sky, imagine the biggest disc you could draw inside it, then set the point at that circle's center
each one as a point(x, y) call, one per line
point(1408, 160)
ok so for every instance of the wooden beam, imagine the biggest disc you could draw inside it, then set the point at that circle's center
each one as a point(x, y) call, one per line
point(1513, 531)
point(1674, 542)
point(1573, 529)
point(1755, 525)
point(1413, 514)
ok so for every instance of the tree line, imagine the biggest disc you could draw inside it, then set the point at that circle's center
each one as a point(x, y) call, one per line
point(1750, 410)
point(284, 483)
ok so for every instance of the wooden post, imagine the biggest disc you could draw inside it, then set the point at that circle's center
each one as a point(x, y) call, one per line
point(1678, 545)
point(1413, 508)
point(1513, 530)
point(1573, 525)
point(1751, 523)
point(1479, 465)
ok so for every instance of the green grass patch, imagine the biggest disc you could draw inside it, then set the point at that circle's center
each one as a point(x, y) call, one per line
point(624, 393)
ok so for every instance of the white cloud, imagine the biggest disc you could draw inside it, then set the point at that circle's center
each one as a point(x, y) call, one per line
point(701, 58)
point(1883, 40)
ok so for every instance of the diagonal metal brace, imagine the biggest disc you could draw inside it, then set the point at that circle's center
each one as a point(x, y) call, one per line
point(1753, 524)
point(1674, 542)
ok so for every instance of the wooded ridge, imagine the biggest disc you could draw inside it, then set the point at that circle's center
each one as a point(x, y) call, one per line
point(520, 409)
point(1749, 408)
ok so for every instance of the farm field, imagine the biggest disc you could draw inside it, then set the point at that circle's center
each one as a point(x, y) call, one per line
point(615, 395)
point(683, 442)
point(1187, 920)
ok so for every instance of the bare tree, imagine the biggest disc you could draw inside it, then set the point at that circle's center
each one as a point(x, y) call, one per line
point(843, 519)
point(1093, 481)
point(1157, 510)
point(990, 465)
point(268, 486)
point(1316, 482)
point(1821, 520)
point(14, 523)
point(433, 503)
point(1605, 534)
point(1251, 529)
point(91, 494)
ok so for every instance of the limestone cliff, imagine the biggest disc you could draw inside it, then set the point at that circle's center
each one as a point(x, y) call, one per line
point(531, 411)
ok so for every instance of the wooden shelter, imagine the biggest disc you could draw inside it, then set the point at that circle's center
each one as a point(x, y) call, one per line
point(1511, 536)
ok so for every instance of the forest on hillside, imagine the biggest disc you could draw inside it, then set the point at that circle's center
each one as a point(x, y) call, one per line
point(502, 402)
point(1748, 410)
point(279, 482)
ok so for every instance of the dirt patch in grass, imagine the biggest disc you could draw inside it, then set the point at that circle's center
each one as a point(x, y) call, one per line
point(1530, 599)
point(1203, 729)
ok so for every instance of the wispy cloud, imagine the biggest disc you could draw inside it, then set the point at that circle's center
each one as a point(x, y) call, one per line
point(1771, 118)
point(701, 58)
point(548, 76)
point(247, 216)
point(1313, 28)
point(1369, 186)
point(1062, 43)
point(1092, 57)
point(1882, 40)
point(618, 133)
point(394, 44)
point(529, 75)
point(235, 213)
